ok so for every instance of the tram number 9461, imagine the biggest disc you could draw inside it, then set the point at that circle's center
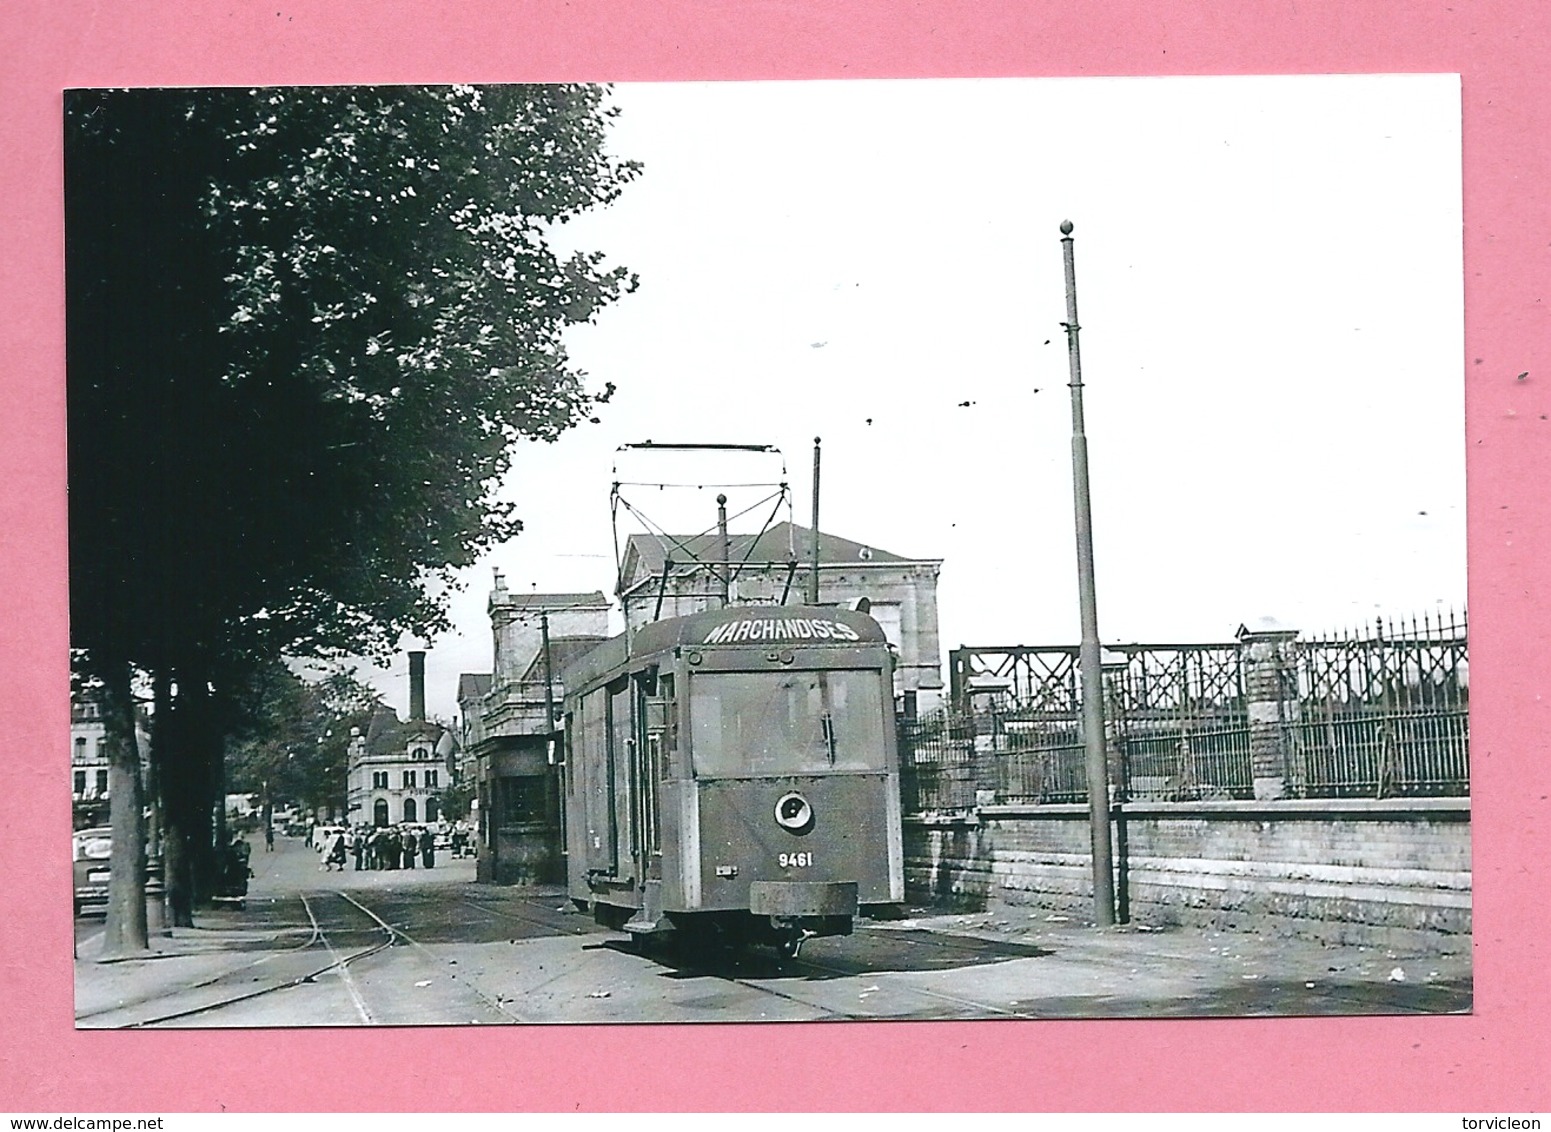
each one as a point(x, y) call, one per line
point(795, 860)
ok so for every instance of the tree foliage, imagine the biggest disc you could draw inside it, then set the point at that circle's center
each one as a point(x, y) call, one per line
point(291, 741)
point(305, 326)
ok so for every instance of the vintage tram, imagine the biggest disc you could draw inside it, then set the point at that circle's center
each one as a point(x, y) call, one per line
point(732, 776)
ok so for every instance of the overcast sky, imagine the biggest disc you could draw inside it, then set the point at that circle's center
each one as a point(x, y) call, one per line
point(1270, 294)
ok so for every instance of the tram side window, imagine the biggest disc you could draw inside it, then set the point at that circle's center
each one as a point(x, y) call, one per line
point(670, 732)
point(661, 715)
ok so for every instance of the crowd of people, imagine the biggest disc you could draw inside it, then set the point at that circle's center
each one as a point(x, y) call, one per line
point(390, 847)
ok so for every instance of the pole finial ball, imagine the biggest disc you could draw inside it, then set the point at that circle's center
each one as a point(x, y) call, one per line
point(1066, 227)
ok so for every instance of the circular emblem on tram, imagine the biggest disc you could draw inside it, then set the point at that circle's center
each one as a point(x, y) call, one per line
point(792, 812)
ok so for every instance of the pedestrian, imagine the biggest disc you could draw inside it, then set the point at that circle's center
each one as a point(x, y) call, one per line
point(458, 839)
point(360, 846)
point(269, 838)
point(233, 864)
point(410, 845)
point(392, 848)
point(374, 848)
point(428, 848)
point(337, 852)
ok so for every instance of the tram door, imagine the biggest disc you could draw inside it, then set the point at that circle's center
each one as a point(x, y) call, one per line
point(650, 739)
point(595, 770)
point(621, 760)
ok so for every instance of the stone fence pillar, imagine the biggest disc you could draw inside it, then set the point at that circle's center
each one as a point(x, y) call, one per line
point(985, 773)
point(1268, 652)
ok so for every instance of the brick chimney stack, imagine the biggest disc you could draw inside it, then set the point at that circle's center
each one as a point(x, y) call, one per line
point(417, 687)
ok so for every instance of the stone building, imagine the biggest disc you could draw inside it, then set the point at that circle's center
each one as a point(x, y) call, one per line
point(899, 592)
point(398, 770)
point(510, 719)
point(89, 760)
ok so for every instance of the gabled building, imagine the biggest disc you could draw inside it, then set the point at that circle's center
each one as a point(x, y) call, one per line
point(398, 770)
point(510, 722)
point(898, 591)
point(473, 687)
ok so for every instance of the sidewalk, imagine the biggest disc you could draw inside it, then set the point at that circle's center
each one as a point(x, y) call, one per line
point(1139, 970)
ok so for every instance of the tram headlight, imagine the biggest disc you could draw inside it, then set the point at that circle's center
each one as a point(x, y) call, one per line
point(793, 813)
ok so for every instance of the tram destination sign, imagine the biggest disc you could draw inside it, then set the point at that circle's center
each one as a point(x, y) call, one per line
point(790, 629)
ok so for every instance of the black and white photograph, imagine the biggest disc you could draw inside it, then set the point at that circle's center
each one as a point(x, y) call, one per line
point(673, 553)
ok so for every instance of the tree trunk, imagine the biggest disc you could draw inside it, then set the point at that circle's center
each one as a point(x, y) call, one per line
point(179, 873)
point(156, 865)
point(202, 737)
point(125, 931)
point(181, 826)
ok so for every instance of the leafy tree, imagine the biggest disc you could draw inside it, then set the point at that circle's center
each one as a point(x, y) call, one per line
point(305, 327)
point(295, 738)
point(455, 800)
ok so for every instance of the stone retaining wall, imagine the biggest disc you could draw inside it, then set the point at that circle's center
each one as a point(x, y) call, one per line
point(1391, 873)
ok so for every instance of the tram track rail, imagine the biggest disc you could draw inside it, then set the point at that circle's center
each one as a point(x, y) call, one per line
point(908, 963)
point(339, 963)
point(861, 970)
point(546, 921)
point(923, 938)
point(397, 934)
point(267, 957)
point(318, 937)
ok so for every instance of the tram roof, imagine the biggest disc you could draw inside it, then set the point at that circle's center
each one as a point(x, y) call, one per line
point(779, 625)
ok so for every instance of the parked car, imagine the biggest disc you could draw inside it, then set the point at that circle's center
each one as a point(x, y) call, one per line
point(91, 850)
point(323, 836)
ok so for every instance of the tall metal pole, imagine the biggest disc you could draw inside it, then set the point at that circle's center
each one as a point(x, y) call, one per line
point(549, 674)
point(723, 550)
point(1091, 666)
point(813, 577)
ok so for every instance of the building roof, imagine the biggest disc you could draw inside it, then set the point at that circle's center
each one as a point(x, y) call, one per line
point(383, 732)
point(562, 651)
point(473, 686)
point(645, 554)
point(550, 602)
point(386, 735)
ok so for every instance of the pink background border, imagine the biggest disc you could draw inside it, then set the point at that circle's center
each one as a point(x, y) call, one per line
point(1495, 1060)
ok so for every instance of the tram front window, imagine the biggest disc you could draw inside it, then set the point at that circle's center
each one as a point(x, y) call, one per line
point(786, 722)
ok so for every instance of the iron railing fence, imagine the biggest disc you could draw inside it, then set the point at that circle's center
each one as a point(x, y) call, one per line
point(936, 755)
point(1378, 712)
point(1358, 755)
point(1201, 761)
point(1179, 723)
point(1383, 711)
point(1040, 760)
point(1027, 678)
